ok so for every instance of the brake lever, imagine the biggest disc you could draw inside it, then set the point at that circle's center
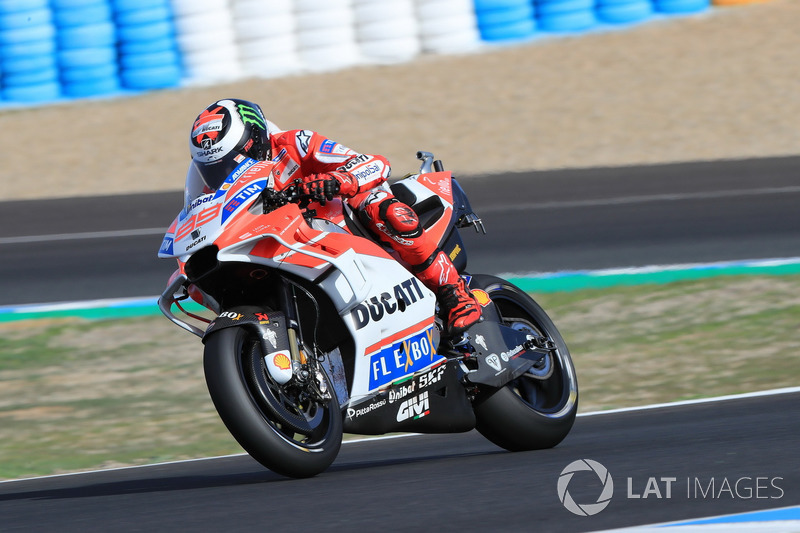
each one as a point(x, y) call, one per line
point(272, 199)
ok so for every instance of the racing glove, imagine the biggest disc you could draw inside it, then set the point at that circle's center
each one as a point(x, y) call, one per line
point(323, 187)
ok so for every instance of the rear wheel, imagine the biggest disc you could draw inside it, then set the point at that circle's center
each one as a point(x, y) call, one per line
point(290, 429)
point(536, 410)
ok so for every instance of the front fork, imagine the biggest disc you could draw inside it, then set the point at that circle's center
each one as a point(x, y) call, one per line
point(288, 303)
point(302, 370)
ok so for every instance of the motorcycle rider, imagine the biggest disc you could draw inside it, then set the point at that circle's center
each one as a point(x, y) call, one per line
point(229, 129)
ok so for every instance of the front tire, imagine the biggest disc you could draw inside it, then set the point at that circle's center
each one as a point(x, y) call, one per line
point(258, 412)
point(536, 410)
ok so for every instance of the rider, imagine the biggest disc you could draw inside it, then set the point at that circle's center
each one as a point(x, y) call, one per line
point(229, 129)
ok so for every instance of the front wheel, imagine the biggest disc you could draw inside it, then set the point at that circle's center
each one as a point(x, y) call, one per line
point(286, 428)
point(537, 409)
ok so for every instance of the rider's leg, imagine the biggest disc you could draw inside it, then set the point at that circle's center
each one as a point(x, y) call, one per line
point(397, 225)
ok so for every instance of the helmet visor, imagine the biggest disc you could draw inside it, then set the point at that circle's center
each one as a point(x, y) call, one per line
point(215, 172)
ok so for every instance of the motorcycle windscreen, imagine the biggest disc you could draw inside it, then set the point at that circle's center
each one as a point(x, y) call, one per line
point(202, 178)
point(195, 186)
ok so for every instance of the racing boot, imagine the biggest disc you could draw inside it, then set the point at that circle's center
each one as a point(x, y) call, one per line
point(457, 306)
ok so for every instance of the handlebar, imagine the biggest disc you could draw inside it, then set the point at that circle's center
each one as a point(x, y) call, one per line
point(292, 194)
point(273, 199)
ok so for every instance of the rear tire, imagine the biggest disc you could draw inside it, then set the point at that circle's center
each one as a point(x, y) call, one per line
point(246, 397)
point(536, 410)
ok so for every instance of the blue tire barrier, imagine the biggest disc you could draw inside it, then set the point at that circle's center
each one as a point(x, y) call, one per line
point(494, 17)
point(681, 6)
point(96, 87)
point(72, 4)
point(624, 13)
point(31, 77)
point(89, 36)
point(143, 61)
point(28, 34)
point(130, 5)
point(480, 5)
point(147, 47)
point(12, 6)
point(500, 20)
point(28, 63)
point(151, 78)
point(143, 16)
point(546, 8)
point(86, 57)
point(565, 15)
point(145, 32)
point(83, 74)
point(516, 30)
point(25, 19)
point(84, 15)
point(568, 22)
point(32, 93)
point(31, 48)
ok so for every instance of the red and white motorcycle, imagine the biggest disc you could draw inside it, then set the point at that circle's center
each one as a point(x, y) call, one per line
point(319, 330)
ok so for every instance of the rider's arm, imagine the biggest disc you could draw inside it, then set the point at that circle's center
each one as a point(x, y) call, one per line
point(322, 158)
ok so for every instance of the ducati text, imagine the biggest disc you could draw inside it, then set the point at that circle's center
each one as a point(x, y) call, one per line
point(374, 309)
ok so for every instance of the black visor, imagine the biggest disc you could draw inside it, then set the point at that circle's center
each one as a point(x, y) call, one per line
point(215, 173)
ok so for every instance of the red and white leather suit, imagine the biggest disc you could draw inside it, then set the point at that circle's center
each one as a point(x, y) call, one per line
point(363, 183)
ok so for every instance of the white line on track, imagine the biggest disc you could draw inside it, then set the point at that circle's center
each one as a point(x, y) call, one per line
point(620, 200)
point(756, 394)
point(82, 236)
point(642, 199)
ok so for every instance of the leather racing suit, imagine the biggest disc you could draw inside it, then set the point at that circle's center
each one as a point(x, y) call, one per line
point(362, 182)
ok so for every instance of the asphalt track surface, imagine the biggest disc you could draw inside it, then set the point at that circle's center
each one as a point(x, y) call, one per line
point(105, 247)
point(452, 482)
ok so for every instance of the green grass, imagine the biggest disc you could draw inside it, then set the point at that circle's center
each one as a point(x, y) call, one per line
point(78, 394)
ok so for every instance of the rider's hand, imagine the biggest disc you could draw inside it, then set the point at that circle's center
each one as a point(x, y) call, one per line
point(323, 187)
point(319, 187)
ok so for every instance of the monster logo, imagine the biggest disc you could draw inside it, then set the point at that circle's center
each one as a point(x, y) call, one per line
point(251, 116)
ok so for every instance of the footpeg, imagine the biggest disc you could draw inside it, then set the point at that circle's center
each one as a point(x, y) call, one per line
point(542, 343)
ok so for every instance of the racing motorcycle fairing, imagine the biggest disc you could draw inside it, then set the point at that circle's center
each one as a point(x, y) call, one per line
point(270, 328)
point(429, 401)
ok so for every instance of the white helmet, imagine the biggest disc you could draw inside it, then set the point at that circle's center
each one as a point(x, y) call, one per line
point(223, 135)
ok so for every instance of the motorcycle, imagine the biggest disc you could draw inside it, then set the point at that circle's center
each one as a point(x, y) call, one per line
point(315, 329)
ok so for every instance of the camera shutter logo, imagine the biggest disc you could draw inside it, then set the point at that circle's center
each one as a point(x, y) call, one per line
point(586, 509)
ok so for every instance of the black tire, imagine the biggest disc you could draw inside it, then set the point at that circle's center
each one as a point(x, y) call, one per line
point(536, 410)
point(246, 398)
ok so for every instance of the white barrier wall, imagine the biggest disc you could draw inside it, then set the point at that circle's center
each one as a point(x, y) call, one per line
point(206, 40)
point(266, 37)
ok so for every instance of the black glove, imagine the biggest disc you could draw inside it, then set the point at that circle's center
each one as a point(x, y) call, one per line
point(320, 187)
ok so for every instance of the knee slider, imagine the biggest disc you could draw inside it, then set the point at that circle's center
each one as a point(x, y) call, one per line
point(400, 218)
